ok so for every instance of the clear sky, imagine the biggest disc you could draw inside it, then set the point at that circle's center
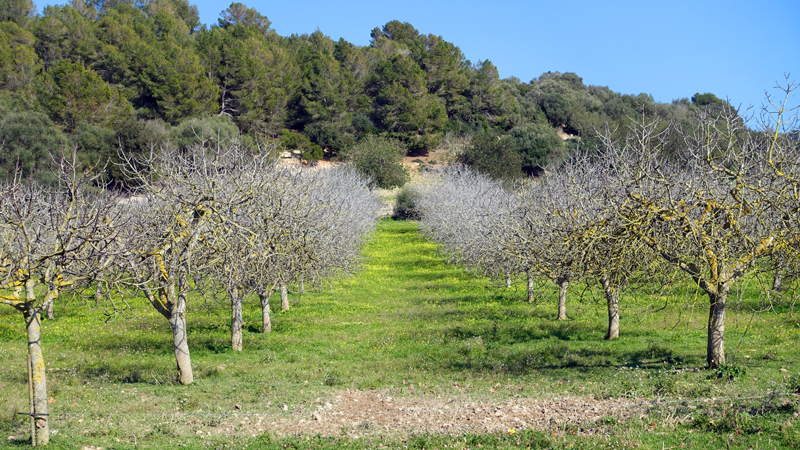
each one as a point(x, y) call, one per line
point(735, 49)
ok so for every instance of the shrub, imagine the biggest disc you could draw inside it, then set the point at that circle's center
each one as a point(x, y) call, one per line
point(95, 144)
point(208, 131)
point(494, 156)
point(313, 153)
point(538, 145)
point(328, 135)
point(381, 159)
point(405, 207)
point(298, 141)
point(28, 140)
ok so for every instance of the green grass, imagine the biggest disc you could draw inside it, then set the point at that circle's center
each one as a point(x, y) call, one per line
point(410, 318)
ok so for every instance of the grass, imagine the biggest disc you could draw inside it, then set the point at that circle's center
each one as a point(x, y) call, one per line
point(410, 319)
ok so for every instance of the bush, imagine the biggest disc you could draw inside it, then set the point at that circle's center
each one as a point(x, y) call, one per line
point(328, 135)
point(405, 207)
point(298, 141)
point(293, 141)
point(538, 144)
point(313, 153)
point(208, 131)
point(96, 144)
point(381, 159)
point(494, 156)
point(28, 140)
point(135, 138)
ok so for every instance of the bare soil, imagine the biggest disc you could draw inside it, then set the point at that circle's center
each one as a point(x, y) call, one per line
point(358, 413)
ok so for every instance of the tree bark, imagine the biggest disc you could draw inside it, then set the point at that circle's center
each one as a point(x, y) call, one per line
point(49, 311)
point(181, 345)
point(612, 302)
point(563, 283)
point(38, 378)
point(530, 287)
point(302, 285)
point(266, 320)
point(508, 279)
point(715, 352)
point(284, 297)
point(236, 319)
point(777, 277)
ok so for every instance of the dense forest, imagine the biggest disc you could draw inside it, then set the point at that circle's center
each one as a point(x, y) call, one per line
point(137, 74)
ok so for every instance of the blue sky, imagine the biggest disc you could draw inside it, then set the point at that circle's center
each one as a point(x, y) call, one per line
point(670, 49)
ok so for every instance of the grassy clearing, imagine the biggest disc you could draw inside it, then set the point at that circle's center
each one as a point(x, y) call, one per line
point(409, 319)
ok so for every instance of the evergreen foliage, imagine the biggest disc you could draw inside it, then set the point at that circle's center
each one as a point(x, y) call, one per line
point(381, 159)
point(29, 138)
point(493, 155)
point(108, 62)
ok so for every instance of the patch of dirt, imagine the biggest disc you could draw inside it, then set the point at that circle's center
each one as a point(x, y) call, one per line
point(364, 413)
point(414, 164)
point(563, 134)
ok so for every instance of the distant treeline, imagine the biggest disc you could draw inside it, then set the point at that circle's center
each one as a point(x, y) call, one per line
point(104, 75)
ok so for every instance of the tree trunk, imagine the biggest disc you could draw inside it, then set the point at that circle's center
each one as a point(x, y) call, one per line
point(562, 282)
point(302, 285)
point(181, 344)
point(49, 310)
point(39, 388)
point(508, 279)
point(530, 287)
point(777, 278)
point(284, 297)
point(715, 353)
point(236, 319)
point(612, 301)
point(266, 320)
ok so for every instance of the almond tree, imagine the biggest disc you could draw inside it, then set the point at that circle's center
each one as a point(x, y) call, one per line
point(179, 230)
point(307, 225)
point(539, 232)
point(704, 211)
point(780, 141)
point(51, 239)
point(314, 225)
point(460, 210)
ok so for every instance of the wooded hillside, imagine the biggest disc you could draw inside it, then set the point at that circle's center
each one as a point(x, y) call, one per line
point(104, 75)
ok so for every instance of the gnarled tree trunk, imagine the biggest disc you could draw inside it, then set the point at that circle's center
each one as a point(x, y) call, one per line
point(236, 319)
point(612, 302)
point(38, 378)
point(266, 320)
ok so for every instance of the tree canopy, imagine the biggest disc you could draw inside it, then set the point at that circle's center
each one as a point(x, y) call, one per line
point(107, 62)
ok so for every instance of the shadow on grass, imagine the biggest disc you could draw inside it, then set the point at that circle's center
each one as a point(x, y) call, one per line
point(549, 357)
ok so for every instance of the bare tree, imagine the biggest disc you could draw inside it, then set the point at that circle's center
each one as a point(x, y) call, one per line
point(190, 196)
point(51, 239)
point(705, 210)
point(316, 224)
point(460, 209)
point(307, 225)
point(539, 232)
